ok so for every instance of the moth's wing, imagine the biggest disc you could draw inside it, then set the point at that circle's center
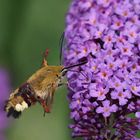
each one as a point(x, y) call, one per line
point(44, 61)
point(49, 99)
point(42, 81)
point(45, 90)
point(44, 85)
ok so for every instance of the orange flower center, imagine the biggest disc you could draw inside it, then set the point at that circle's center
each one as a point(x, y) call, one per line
point(120, 94)
point(104, 74)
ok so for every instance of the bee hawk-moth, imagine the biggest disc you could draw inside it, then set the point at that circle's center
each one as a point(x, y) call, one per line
point(40, 87)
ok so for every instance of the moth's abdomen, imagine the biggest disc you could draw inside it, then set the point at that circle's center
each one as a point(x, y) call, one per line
point(20, 100)
point(15, 106)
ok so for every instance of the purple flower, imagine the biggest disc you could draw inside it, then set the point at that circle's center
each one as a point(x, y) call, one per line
point(131, 33)
point(98, 92)
point(106, 110)
point(135, 89)
point(106, 90)
point(137, 114)
point(104, 3)
point(116, 23)
point(122, 96)
point(4, 93)
point(109, 38)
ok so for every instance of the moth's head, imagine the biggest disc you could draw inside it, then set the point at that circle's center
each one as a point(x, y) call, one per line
point(58, 70)
point(64, 71)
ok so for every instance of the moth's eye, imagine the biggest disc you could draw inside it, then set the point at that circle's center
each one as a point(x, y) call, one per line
point(38, 97)
point(58, 75)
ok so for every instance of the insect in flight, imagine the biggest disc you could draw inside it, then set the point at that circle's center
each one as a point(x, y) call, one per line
point(40, 87)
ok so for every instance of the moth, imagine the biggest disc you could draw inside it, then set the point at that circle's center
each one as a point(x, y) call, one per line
point(40, 87)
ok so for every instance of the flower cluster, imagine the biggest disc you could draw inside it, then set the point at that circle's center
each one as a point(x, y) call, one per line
point(105, 92)
point(4, 93)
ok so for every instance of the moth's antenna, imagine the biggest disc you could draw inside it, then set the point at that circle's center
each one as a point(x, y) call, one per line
point(61, 42)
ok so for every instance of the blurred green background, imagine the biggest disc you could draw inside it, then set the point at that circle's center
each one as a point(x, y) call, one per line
point(27, 28)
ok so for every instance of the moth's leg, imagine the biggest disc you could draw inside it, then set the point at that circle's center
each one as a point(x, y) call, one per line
point(45, 107)
point(44, 61)
point(62, 84)
point(66, 84)
point(49, 101)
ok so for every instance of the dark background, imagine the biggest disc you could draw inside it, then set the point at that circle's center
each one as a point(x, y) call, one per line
point(27, 28)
